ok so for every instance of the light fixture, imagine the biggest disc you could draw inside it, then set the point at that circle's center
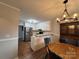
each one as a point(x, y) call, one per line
point(66, 16)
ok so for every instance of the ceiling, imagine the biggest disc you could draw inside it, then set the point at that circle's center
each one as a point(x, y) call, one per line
point(43, 9)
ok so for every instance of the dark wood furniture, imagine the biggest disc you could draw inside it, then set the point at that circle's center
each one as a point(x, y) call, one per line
point(69, 33)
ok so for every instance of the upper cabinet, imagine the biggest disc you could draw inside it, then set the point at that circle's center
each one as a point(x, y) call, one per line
point(69, 28)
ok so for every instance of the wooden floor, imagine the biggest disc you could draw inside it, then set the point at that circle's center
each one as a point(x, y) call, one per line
point(61, 49)
point(25, 52)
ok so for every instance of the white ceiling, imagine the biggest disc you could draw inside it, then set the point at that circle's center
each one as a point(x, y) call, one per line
point(43, 9)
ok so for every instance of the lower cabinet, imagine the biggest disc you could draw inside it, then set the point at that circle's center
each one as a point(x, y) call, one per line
point(74, 42)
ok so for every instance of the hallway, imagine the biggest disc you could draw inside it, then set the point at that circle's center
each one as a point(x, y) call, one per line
point(25, 52)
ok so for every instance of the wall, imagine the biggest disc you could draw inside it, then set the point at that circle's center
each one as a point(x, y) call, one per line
point(55, 28)
point(9, 18)
point(8, 48)
point(43, 25)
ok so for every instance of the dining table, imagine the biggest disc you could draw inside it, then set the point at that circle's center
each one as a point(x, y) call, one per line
point(65, 51)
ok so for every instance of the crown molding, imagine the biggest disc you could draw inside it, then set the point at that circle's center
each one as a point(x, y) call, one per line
point(12, 7)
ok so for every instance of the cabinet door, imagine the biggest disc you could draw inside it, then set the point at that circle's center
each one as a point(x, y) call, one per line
point(77, 29)
point(64, 29)
point(71, 29)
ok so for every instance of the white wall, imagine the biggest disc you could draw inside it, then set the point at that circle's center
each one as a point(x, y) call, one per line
point(31, 25)
point(8, 48)
point(55, 28)
point(9, 19)
point(43, 25)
